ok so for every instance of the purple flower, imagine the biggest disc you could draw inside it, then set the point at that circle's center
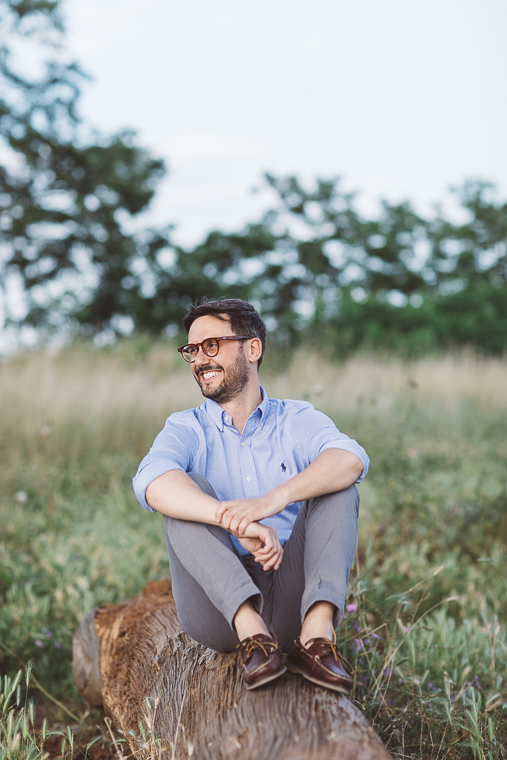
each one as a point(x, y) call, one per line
point(358, 643)
point(352, 607)
point(38, 643)
point(387, 671)
point(58, 645)
point(406, 628)
point(430, 686)
point(356, 626)
point(477, 682)
point(375, 636)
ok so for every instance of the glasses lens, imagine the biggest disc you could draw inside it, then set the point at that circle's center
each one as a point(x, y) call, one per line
point(189, 353)
point(210, 347)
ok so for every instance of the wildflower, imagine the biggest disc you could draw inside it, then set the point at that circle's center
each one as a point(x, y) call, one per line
point(356, 626)
point(352, 607)
point(430, 686)
point(38, 643)
point(406, 628)
point(477, 682)
point(58, 645)
point(358, 643)
point(21, 497)
point(375, 636)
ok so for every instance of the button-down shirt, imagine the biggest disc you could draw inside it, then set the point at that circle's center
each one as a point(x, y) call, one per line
point(280, 439)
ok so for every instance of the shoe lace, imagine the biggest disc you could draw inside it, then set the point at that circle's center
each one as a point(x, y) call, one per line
point(250, 644)
point(332, 648)
point(340, 658)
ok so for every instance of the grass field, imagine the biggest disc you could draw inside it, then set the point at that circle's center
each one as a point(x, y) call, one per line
point(428, 600)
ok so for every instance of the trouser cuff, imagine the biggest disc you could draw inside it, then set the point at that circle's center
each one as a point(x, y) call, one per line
point(324, 594)
point(245, 593)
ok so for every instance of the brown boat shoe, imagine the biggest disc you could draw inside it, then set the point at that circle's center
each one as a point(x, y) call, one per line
point(261, 660)
point(320, 662)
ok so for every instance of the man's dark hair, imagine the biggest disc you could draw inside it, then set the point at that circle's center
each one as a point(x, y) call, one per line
point(242, 316)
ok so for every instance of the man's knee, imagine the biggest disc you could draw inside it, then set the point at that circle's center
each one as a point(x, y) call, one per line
point(203, 484)
point(347, 500)
point(350, 497)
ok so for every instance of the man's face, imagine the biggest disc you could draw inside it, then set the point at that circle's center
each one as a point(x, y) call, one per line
point(224, 376)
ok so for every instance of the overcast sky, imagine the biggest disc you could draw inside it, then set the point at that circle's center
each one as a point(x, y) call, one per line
point(403, 98)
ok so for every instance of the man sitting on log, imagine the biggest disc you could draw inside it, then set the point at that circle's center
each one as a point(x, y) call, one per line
point(260, 508)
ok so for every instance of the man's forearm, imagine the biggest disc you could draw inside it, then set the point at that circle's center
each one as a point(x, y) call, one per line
point(175, 494)
point(333, 470)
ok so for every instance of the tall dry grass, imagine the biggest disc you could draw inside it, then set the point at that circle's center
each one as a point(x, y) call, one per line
point(429, 591)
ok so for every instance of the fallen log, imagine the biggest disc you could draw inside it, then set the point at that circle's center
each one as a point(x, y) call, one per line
point(135, 659)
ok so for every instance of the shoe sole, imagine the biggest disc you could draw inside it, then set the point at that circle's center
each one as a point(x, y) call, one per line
point(265, 680)
point(339, 689)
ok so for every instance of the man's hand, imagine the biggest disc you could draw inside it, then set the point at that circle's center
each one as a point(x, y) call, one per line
point(262, 541)
point(236, 515)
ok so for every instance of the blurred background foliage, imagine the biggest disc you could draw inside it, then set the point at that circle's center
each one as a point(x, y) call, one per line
point(313, 264)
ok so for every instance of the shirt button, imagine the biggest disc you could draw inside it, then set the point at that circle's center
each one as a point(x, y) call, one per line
point(243, 444)
point(248, 478)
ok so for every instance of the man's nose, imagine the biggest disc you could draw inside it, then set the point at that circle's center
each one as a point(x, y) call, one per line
point(201, 357)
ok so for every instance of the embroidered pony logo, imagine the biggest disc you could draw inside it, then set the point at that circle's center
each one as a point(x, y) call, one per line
point(284, 468)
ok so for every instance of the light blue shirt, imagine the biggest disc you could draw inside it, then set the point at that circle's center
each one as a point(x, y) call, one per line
point(280, 439)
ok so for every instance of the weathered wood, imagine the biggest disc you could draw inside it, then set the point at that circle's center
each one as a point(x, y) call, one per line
point(198, 705)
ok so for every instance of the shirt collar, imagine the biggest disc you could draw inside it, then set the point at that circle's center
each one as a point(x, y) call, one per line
point(218, 414)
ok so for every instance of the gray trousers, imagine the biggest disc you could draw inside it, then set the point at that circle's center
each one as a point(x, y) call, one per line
point(211, 579)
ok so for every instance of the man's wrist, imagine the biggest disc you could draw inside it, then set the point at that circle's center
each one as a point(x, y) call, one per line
point(280, 497)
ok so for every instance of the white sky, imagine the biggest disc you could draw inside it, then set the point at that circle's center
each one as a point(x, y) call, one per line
point(402, 97)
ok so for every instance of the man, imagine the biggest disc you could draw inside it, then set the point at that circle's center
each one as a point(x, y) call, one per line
point(260, 508)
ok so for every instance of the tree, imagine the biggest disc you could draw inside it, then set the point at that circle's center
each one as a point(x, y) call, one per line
point(313, 263)
point(398, 281)
point(67, 197)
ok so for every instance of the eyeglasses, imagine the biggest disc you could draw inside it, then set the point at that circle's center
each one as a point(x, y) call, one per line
point(210, 347)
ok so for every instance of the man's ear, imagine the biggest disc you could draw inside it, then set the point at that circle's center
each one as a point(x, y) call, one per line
point(254, 350)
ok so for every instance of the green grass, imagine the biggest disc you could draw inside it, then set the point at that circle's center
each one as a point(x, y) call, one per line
point(425, 629)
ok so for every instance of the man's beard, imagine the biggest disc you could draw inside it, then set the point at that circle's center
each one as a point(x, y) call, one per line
point(233, 381)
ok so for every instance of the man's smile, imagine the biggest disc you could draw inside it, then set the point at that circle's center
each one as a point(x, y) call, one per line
point(206, 374)
point(209, 374)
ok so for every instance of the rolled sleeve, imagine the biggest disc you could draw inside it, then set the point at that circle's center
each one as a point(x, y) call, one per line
point(315, 432)
point(173, 449)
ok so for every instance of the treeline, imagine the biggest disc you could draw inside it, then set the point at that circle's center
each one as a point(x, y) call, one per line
point(316, 268)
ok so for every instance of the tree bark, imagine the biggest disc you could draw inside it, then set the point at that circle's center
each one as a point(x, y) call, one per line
point(141, 665)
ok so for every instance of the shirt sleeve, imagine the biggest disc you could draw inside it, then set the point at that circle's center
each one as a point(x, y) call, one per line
point(314, 432)
point(174, 448)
